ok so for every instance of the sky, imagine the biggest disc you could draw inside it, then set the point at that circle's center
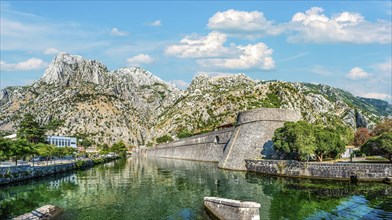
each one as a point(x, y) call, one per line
point(345, 44)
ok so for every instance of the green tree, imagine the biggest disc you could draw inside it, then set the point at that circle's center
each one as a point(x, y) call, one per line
point(69, 151)
point(119, 148)
point(63, 151)
point(54, 124)
point(379, 146)
point(329, 143)
point(184, 134)
point(346, 133)
point(30, 130)
point(59, 152)
point(299, 140)
point(21, 148)
point(104, 149)
point(5, 148)
point(46, 150)
point(86, 143)
point(295, 139)
point(164, 139)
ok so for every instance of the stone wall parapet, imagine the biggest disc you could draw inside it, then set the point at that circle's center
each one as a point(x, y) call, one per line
point(290, 168)
point(267, 114)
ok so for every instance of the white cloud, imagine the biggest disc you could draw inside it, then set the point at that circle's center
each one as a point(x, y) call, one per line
point(195, 46)
point(310, 26)
point(252, 56)
point(357, 73)
point(314, 26)
point(375, 95)
point(385, 67)
point(51, 51)
point(139, 59)
point(213, 55)
point(377, 85)
point(116, 32)
point(180, 84)
point(156, 23)
point(214, 74)
point(30, 64)
point(243, 23)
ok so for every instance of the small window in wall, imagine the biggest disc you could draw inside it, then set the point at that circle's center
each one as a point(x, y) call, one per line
point(216, 141)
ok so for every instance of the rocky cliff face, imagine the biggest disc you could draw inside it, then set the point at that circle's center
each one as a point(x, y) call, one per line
point(82, 97)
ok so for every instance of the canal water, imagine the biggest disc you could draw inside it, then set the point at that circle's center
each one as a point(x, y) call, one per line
point(156, 188)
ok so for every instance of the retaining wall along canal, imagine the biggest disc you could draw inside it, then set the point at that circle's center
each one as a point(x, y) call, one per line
point(251, 138)
point(23, 172)
point(204, 147)
point(362, 171)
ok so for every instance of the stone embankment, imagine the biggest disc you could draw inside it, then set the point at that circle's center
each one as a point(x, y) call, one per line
point(24, 172)
point(344, 171)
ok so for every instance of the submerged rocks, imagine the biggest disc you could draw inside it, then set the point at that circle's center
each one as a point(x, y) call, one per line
point(45, 212)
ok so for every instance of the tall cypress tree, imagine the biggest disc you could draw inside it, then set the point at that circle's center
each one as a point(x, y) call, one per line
point(30, 130)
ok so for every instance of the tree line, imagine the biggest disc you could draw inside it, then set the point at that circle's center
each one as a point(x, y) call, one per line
point(302, 140)
point(31, 142)
point(22, 149)
point(377, 142)
point(119, 148)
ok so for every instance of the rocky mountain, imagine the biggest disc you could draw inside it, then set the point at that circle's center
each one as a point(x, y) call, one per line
point(79, 97)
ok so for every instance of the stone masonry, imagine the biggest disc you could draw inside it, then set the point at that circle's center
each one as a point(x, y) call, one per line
point(252, 135)
point(204, 147)
point(362, 171)
point(249, 139)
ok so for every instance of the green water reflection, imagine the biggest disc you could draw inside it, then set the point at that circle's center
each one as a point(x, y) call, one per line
point(155, 188)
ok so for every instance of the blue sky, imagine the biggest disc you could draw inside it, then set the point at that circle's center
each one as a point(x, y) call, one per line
point(346, 44)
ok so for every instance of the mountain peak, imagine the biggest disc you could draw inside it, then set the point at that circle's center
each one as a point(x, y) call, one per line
point(140, 76)
point(66, 68)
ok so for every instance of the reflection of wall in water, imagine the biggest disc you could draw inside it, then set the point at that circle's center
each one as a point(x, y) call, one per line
point(73, 178)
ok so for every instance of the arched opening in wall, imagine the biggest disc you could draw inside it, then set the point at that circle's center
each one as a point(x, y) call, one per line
point(216, 141)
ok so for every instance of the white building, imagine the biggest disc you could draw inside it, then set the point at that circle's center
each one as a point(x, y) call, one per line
point(61, 141)
point(349, 150)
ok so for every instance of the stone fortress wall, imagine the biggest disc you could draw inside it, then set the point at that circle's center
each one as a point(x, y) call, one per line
point(240, 148)
point(204, 147)
point(252, 136)
point(230, 147)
